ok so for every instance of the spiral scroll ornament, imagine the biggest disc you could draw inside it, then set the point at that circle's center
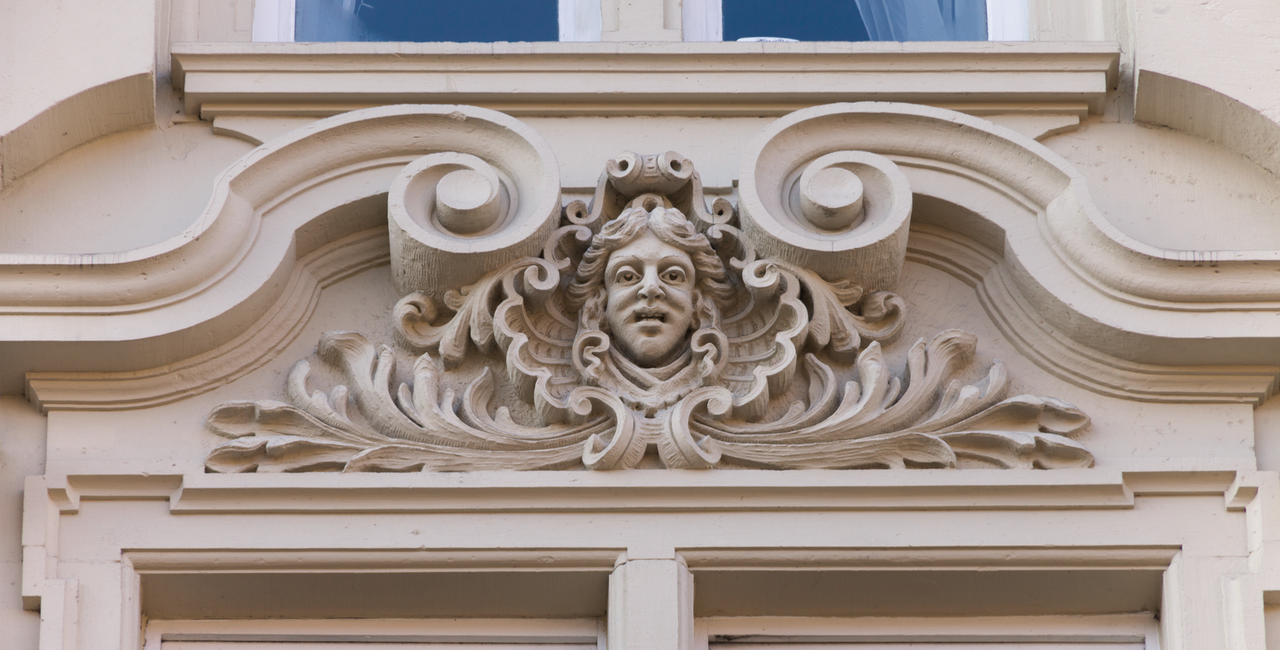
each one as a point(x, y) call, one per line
point(649, 325)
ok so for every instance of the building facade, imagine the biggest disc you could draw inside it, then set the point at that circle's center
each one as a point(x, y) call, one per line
point(641, 342)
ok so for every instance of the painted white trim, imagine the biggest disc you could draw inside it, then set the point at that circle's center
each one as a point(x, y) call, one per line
point(1008, 20)
point(580, 20)
point(1100, 632)
point(703, 20)
point(370, 634)
point(273, 21)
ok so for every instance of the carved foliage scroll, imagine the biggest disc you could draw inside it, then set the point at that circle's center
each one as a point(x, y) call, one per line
point(650, 325)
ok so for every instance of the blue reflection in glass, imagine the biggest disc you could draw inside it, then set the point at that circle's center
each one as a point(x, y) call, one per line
point(479, 21)
point(802, 20)
point(856, 20)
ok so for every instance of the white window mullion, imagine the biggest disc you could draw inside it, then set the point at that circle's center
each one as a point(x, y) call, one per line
point(579, 20)
point(703, 20)
point(273, 21)
point(1008, 20)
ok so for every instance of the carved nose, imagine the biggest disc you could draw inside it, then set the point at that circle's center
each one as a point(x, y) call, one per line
point(651, 289)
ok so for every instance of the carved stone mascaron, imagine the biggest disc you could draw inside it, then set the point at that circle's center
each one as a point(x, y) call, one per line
point(652, 324)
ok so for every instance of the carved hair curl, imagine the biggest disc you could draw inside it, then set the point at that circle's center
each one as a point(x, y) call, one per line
point(711, 278)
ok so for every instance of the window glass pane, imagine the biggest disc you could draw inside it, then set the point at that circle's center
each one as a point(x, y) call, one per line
point(483, 21)
point(856, 20)
point(802, 20)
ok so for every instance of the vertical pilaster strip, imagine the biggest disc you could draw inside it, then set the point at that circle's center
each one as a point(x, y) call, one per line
point(57, 599)
point(651, 604)
point(1211, 602)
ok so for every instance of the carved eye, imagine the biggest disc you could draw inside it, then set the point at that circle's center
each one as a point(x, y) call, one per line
point(674, 275)
point(626, 276)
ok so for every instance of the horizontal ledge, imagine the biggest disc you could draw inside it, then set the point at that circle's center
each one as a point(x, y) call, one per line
point(504, 560)
point(923, 558)
point(384, 630)
point(665, 491)
point(1106, 628)
point(374, 561)
point(314, 79)
point(561, 107)
point(1042, 54)
point(633, 491)
point(649, 490)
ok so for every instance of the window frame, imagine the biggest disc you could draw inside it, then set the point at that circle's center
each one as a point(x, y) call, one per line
point(580, 20)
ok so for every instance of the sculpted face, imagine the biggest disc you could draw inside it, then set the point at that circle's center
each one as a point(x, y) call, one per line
point(650, 299)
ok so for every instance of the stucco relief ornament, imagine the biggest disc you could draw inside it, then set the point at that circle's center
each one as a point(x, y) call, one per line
point(649, 324)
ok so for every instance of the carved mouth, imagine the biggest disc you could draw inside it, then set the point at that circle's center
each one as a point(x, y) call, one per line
point(647, 316)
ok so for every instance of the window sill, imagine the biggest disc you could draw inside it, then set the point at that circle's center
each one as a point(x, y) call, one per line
point(702, 79)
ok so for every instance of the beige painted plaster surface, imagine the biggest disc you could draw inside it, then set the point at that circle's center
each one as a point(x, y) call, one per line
point(1174, 190)
point(1273, 626)
point(1266, 435)
point(117, 193)
point(582, 145)
point(50, 51)
point(1161, 187)
point(1230, 46)
point(22, 438)
point(172, 439)
point(71, 72)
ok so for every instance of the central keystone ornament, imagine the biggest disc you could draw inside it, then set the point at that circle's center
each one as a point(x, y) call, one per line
point(651, 325)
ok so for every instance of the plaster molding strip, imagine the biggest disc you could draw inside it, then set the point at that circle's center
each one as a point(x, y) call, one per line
point(250, 256)
point(118, 105)
point(58, 391)
point(668, 491)
point(744, 490)
point(372, 561)
point(1104, 628)
point(383, 630)
point(1033, 336)
point(320, 79)
point(1073, 112)
point(927, 559)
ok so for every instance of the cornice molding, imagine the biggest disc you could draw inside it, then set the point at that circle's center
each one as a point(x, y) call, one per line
point(107, 391)
point(704, 79)
point(1144, 323)
point(200, 289)
point(979, 267)
point(646, 491)
point(945, 250)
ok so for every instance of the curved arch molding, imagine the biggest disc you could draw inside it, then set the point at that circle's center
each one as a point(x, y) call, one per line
point(994, 208)
point(124, 103)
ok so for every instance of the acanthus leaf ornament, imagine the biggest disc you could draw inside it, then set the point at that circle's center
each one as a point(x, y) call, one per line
point(648, 325)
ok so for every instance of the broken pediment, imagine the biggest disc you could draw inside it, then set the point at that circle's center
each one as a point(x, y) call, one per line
point(816, 231)
point(648, 321)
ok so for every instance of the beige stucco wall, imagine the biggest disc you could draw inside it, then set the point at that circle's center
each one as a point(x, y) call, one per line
point(1230, 47)
point(54, 51)
point(106, 174)
point(21, 454)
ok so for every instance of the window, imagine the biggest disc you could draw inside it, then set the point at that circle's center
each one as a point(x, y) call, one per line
point(856, 20)
point(421, 21)
point(581, 20)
